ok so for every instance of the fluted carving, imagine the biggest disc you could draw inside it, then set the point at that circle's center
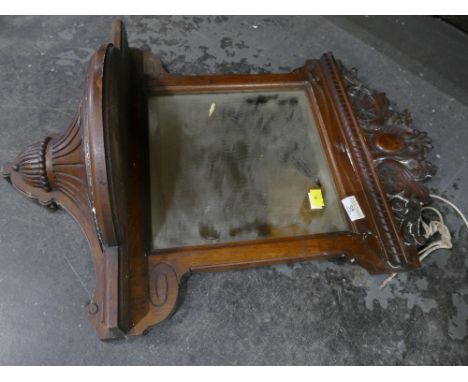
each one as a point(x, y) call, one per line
point(66, 164)
point(58, 172)
point(53, 169)
point(30, 164)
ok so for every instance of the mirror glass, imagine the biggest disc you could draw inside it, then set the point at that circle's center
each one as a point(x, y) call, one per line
point(237, 166)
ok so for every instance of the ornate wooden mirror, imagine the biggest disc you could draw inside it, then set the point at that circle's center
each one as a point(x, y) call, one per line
point(169, 175)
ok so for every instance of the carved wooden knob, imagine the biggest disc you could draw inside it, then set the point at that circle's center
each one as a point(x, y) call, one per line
point(31, 165)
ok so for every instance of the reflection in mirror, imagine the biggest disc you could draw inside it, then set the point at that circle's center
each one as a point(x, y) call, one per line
point(237, 166)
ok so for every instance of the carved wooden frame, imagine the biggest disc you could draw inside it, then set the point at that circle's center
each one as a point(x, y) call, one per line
point(98, 172)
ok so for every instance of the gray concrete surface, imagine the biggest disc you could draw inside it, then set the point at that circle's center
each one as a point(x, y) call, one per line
point(314, 313)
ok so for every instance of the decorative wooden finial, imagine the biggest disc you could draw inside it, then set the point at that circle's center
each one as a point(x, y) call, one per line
point(31, 165)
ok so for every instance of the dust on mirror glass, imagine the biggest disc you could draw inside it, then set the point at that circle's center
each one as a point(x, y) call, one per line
point(238, 166)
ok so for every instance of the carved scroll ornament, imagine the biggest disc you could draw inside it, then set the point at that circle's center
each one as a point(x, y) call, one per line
point(399, 152)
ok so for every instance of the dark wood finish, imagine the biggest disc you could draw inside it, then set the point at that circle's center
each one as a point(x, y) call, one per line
point(98, 171)
point(72, 173)
point(398, 151)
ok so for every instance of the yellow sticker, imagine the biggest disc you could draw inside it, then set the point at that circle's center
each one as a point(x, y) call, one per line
point(316, 199)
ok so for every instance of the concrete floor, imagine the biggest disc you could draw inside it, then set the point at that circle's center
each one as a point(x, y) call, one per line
point(314, 313)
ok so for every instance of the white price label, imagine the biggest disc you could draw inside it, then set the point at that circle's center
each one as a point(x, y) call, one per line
point(352, 207)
